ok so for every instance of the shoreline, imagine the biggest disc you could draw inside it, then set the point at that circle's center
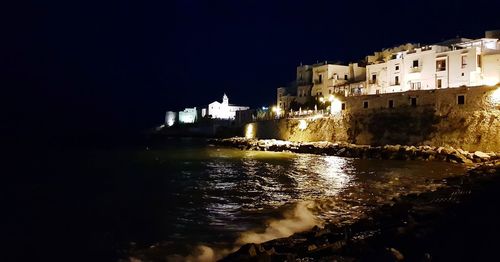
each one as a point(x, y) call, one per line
point(412, 227)
point(416, 227)
point(396, 152)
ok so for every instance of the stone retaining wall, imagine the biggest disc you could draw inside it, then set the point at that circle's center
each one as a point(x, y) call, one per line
point(437, 120)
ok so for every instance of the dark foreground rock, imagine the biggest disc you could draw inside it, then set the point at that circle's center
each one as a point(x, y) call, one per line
point(457, 222)
point(399, 152)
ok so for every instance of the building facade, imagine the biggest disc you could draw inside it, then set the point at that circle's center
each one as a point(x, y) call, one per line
point(224, 110)
point(188, 116)
point(453, 63)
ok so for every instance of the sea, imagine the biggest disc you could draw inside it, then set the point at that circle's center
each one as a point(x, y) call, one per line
point(178, 199)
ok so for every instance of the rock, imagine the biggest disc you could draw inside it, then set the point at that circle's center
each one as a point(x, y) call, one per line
point(312, 247)
point(396, 254)
point(462, 151)
point(252, 251)
point(481, 155)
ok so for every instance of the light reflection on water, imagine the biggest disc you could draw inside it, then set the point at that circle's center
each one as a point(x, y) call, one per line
point(215, 194)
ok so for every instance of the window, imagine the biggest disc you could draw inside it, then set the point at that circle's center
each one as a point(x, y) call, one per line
point(464, 61)
point(415, 63)
point(441, 65)
point(320, 80)
point(461, 99)
point(345, 77)
point(415, 86)
point(396, 80)
point(397, 67)
point(391, 103)
point(343, 106)
point(365, 104)
point(478, 60)
point(374, 77)
point(463, 74)
point(439, 83)
point(413, 101)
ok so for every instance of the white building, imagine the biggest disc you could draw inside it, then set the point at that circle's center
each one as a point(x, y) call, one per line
point(170, 118)
point(224, 110)
point(327, 76)
point(189, 115)
point(453, 63)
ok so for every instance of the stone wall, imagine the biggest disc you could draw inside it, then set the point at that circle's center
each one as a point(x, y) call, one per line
point(436, 120)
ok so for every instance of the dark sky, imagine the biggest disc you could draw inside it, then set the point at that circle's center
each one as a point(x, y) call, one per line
point(98, 67)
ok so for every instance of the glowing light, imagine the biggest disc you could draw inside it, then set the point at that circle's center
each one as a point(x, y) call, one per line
point(276, 110)
point(302, 124)
point(170, 118)
point(249, 132)
point(322, 99)
point(336, 105)
point(331, 98)
point(317, 116)
point(495, 96)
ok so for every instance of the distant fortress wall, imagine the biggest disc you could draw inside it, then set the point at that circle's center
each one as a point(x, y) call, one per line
point(465, 117)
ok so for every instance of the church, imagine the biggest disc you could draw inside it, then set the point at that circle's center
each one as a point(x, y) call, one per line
point(224, 110)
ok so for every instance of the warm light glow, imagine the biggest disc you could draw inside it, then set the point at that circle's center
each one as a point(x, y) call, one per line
point(336, 105)
point(495, 96)
point(249, 132)
point(492, 81)
point(322, 99)
point(317, 116)
point(302, 124)
point(331, 98)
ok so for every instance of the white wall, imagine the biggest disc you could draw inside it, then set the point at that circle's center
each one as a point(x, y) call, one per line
point(491, 68)
point(224, 110)
point(188, 115)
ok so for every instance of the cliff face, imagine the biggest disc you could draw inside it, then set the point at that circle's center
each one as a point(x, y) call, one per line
point(437, 120)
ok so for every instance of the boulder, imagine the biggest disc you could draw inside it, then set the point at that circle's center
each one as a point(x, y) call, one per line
point(481, 155)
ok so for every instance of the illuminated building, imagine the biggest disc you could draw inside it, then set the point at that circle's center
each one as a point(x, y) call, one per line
point(189, 115)
point(452, 63)
point(170, 118)
point(224, 110)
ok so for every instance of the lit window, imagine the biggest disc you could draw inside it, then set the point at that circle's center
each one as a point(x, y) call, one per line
point(441, 65)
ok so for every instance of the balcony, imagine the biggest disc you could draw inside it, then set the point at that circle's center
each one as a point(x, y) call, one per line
point(415, 69)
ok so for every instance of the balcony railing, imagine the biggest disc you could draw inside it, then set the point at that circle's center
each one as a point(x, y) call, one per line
point(415, 69)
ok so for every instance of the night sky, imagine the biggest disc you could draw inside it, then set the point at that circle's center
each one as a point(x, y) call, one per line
point(84, 67)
